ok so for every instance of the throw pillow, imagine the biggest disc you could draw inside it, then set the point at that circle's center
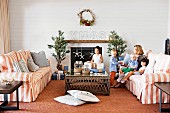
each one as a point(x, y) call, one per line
point(70, 100)
point(126, 59)
point(20, 66)
point(32, 66)
point(40, 59)
point(83, 95)
point(17, 67)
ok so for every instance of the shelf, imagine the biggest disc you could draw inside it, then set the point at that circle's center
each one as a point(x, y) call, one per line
point(87, 41)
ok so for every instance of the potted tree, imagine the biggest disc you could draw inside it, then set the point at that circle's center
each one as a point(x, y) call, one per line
point(116, 42)
point(60, 48)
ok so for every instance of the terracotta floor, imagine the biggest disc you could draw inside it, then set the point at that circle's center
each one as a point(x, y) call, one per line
point(120, 101)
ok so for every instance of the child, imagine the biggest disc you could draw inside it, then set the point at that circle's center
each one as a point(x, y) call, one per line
point(113, 66)
point(132, 65)
point(141, 70)
point(97, 57)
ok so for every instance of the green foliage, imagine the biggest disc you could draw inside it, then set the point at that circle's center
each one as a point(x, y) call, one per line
point(116, 42)
point(60, 48)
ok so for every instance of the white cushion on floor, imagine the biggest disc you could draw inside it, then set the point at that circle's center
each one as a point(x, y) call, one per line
point(83, 95)
point(69, 100)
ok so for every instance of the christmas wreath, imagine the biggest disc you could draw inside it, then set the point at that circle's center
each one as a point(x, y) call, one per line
point(85, 21)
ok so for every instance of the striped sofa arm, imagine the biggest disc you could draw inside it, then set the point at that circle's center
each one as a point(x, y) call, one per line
point(151, 78)
point(18, 76)
point(150, 93)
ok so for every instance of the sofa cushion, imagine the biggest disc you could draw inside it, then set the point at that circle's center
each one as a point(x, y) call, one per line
point(126, 59)
point(69, 100)
point(20, 66)
point(162, 63)
point(152, 61)
point(31, 65)
point(28, 54)
point(40, 59)
point(83, 95)
point(6, 61)
point(21, 55)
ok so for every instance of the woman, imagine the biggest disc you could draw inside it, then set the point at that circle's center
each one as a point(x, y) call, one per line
point(138, 51)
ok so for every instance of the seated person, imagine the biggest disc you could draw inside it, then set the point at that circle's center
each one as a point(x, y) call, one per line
point(132, 65)
point(141, 70)
point(97, 57)
point(97, 61)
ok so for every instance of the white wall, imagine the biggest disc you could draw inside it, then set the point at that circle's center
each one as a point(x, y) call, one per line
point(33, 22)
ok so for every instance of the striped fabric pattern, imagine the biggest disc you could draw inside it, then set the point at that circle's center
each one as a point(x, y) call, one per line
point(28, 54)
point(150, 93)
point(21, 55)
point(20, 66)
point(23, 66)
point(17, 67)
point(143, 87)
point(6, 60)
point(34, 83)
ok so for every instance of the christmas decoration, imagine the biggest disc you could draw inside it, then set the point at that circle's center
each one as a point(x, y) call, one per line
point(60, 48)
point(91, 54)
point(85, 21)
point(116, 42)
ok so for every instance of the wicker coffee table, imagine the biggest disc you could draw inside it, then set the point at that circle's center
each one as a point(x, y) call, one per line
point(94, 83)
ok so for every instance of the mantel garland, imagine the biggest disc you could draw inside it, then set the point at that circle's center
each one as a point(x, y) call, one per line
point(85, 21)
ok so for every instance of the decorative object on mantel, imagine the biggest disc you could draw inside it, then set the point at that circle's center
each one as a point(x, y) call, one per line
point(85, 21)
point(60, 48)
point(116, 42)
point(87, 41)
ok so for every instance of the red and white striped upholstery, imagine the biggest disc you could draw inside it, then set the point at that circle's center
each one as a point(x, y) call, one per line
point(6, 61)
point(150, 93)
point(33, 82)
point(143, 85)
point(21, 55)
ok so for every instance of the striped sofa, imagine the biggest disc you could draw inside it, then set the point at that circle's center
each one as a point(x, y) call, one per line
point(142, 86)
point(33, 82)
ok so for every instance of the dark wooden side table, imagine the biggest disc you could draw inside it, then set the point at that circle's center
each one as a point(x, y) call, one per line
point(8, 89)
point(164, 87)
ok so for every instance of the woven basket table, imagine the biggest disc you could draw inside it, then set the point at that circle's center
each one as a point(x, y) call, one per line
point(94, 83)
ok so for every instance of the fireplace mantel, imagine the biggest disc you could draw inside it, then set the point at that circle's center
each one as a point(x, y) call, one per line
point(87, 41)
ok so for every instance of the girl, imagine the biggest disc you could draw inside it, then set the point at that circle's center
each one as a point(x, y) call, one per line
point(113, 66)
point(97, 57)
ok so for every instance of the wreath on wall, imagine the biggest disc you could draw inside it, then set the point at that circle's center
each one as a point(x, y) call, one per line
point(86, 22)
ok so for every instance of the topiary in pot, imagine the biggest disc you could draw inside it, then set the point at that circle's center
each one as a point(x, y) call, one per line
point(60, 48)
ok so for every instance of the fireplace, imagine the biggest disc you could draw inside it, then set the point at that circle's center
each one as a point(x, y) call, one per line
point(82, 54)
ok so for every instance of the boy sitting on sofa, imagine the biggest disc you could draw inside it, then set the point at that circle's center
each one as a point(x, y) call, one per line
point(132, 66)
point(123, 77)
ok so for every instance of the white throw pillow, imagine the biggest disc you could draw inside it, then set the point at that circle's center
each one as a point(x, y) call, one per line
point(127, 58)
point(69, 100)
point(83, 95)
